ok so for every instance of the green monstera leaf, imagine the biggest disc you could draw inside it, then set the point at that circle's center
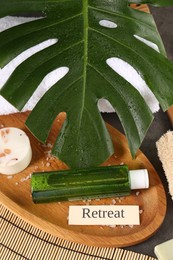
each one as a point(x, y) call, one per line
point(85, 45)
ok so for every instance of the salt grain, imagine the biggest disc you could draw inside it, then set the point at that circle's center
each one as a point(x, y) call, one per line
point(49, 145)
point(112, 226)
point(43, 145)
point(140, 211)
point(137, 193)
point(48, 152)
point(9, 177)
point(25, 178)
point(131, 226)
point(48, 164)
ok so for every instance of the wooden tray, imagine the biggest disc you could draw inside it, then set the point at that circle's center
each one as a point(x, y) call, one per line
point(52, 218)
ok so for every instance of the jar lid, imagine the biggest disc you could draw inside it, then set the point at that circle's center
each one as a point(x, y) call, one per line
point(139, 179)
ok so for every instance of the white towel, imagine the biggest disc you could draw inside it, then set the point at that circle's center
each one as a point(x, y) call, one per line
point(54, 76)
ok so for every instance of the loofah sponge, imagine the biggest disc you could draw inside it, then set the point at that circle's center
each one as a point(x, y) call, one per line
point(165, 153)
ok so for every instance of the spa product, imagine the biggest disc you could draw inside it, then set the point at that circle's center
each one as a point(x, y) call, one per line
point(164, 251)
point(15, 150)
point(98, 182)
point(165, 152)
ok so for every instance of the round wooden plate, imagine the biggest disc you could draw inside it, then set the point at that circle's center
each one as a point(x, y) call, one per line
point(52, 218)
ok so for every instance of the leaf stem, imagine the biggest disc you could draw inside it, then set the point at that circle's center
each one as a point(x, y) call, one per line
point(85, 15)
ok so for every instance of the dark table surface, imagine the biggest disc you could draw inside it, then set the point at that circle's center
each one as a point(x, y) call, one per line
point(164, 20)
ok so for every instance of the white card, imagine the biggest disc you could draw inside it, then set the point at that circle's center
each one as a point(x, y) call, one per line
point(104, 215)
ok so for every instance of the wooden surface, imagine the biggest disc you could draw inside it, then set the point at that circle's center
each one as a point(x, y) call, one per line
point(143, 8)
point(170, 115)
point(52, 218)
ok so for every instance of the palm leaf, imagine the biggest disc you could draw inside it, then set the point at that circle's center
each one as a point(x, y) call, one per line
point(84, 46)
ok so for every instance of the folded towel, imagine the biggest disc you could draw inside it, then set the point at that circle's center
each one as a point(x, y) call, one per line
point(51, 79)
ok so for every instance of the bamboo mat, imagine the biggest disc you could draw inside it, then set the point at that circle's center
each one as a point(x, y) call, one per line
point(20, 240)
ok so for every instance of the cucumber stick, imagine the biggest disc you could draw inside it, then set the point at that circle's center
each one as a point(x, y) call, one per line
point(98, 182)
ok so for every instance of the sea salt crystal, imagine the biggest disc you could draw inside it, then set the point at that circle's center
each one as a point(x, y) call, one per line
point(25, 178)
point(43, 145)
point(112, 226)
point(137, 193)
point(47, 164)
point(140, 211)
point(9, 177)
point(49, 145)
point(131, 226)
point(48, 153)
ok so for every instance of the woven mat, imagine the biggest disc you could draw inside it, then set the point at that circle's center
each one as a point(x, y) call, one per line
point(20, 240)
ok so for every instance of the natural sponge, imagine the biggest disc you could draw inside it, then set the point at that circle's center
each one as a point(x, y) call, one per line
point(165, 153)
